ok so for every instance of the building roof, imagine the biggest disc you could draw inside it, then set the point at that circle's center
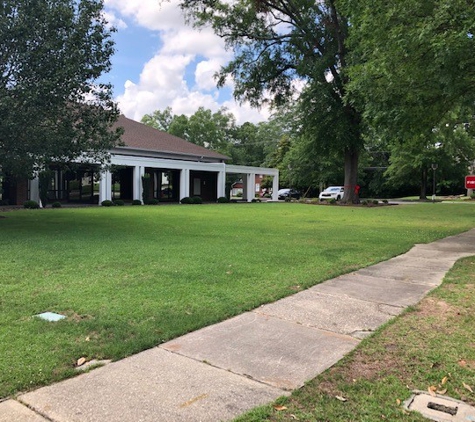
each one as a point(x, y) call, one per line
point(138, 136)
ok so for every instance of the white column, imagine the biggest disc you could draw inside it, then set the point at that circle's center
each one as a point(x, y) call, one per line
point(221, 183)
point(250, 186)
point(105, 186)
point(275, 187)
point(139, 172)
point(35, 190)
point(184, 183)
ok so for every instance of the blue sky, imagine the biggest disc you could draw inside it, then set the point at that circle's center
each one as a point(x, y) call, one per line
point(161, 62)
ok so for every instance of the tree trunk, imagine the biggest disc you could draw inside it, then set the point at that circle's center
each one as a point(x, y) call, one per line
point(423, 194)
point(351, 174)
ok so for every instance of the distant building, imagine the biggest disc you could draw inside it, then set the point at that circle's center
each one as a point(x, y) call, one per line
point(176, 169)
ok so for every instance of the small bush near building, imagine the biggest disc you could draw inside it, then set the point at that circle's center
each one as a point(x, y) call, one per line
point(197, 200)
point(223, 200)
point(385, 201)
point(153, 201)
point(472, 196)
point(136, 202)
point(4, 202)
point(186, 200)
point(119, 202)
point(107, 203)
point(375, 202)
point(56, 204)
point(31, 205)
point(255, 200)
point(332, 201)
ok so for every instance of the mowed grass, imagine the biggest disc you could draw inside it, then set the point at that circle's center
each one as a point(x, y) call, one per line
point(130, 278)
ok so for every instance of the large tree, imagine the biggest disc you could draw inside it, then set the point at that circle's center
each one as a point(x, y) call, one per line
point(282, 45)
point(52, 105)
point(413, 75)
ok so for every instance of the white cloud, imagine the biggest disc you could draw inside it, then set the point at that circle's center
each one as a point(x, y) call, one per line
point(114, 21)
point(181, 74)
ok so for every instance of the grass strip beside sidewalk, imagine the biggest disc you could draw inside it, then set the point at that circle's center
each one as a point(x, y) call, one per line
point(430, 346)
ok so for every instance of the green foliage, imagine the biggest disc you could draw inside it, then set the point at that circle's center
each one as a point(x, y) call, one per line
point(31, 205)
point(53, 56)
point(186, 200)
point(205, 128)
point(412, 62)
point(223, 200)
point(107, 203)
point(197, 200)
point(56, 204)
point(136, 202)
point(119, 202)
point(160, 120)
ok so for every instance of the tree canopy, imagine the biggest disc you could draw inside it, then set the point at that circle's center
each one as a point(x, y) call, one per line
point(413, 61)
point(52, 105)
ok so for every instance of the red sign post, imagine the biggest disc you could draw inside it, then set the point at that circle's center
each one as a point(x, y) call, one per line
point(469, 182)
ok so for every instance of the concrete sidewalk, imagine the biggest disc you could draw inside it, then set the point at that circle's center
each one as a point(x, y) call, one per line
point(224, 370)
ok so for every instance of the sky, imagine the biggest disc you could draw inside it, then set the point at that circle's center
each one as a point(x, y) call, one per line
point(162, 62)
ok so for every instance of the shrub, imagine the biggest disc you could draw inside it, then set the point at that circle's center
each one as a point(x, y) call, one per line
point(472, 196)
point(119, 202)
point(4, 202)
point(31, 204)
point(267, 195)
point(332, 201)
point(255, 200)
point(56, 204)
point(186, 200)
point(385, 201)
point(153, 201)
point(223, 200)
point(136, 202)
point(197, 200)
point(107, 203)
point(239, 195)
point(288, 199)
point(365, 202)
point(375, 202)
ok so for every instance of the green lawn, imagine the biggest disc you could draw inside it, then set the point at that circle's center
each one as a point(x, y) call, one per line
point(129, 278)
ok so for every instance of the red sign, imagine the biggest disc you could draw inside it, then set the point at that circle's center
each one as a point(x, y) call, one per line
point(469, 182)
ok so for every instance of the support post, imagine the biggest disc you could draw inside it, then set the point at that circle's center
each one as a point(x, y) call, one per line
point(105, 186)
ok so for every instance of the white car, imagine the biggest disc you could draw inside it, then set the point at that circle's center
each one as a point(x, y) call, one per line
point(332, 192)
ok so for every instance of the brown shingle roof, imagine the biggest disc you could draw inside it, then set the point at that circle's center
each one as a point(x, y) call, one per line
point(139, 136)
